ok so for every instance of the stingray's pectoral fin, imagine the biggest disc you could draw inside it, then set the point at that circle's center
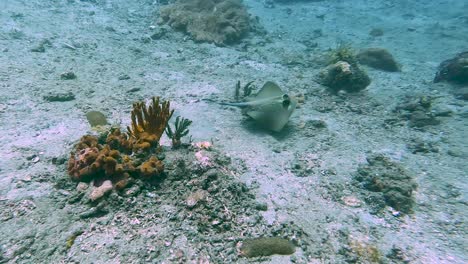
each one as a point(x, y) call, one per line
point(271, 121)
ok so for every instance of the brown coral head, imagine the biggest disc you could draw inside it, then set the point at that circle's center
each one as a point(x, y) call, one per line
point(151, 168)
point(149, 122)
point(118, 140)
point(79, 163)
point(87, 141)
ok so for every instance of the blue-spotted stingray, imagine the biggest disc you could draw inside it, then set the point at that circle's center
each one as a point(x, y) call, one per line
point(270, 107)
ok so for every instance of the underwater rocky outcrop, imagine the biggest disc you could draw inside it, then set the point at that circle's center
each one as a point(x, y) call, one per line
point(343, 72)
point(454, 70)
point(216, 21)
point(344, 76)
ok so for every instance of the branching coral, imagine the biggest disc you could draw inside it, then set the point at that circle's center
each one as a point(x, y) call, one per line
point(149, 123)
point(110, 157)
point(180, 130)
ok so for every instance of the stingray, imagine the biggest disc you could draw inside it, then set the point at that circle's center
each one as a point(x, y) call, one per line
point(270, 107)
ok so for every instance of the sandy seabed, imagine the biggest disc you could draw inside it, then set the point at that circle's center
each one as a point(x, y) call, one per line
point(108, 46)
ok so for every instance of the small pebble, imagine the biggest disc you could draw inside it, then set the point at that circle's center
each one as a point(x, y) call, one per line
point(68, 76)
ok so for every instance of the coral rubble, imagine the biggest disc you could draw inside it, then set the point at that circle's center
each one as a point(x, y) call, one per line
point(387, 183)
point(215, 21)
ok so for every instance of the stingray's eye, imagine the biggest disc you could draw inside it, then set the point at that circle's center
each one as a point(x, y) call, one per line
point(286, 102)
point(285, 97)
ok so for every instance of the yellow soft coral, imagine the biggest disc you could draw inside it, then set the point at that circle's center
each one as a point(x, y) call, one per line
point(149, 123)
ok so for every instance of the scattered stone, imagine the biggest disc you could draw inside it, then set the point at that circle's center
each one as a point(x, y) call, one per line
point(315, 124)
point(16, 33)
point(351, 201)
point(456, 152)
point(96, 118)
point(261, 206)
point(344, 76)
point(194, 198)
point(82, 186)
point(71, 238)
point(134, 90)
point(159, 32)
point(68, 75)
point(441, 110)
point(124, 77)
point(398, 255)
point(59, 160)
point(454, 70)
point(461, 93)
point(74, 198)
point(418, 111)
point(376, 32)
point(110, 29)
point(420, 146)
point(362, 251)
point(266, 246)
point(378, 58)
point(59, 97)
point(99, 192)
point(42, 46)
point(421, 118)
point(97, 211)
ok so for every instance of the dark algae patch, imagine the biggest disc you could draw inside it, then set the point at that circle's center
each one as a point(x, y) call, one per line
point(387, 183)
point(266, 246)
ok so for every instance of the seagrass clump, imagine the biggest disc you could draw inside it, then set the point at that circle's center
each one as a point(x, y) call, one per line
point(180, 130)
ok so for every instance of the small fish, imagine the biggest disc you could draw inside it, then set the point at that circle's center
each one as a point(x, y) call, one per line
point(270, 107)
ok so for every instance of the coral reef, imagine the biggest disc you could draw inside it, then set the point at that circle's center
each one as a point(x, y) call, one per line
point(378, 58)
point(92, 160)
point(111, 156)
point(215, 21)
point(180, 130)
point(388, 183)
point(454, 70)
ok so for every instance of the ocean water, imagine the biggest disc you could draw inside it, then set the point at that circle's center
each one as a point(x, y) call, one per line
point(299, 131)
